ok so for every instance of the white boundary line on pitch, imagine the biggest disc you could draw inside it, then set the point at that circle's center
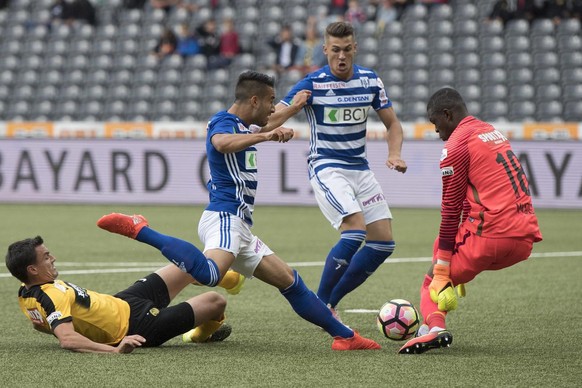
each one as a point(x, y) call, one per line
point(144, 267)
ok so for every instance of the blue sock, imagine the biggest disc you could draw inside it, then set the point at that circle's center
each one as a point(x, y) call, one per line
point(309, 307)
point(337, 261)
point(183, 254)
point(364, 263)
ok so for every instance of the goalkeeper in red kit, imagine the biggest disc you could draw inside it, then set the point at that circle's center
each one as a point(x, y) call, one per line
point(487, 217)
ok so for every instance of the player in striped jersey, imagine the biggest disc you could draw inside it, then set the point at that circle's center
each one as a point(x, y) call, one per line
point(87, 321)
point(225, 225)
point(345, 188)
point(487, 217)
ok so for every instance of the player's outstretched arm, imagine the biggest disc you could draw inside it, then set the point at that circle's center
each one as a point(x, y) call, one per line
point(285, 112)
point(395, 138)
point(71, 340)
point(231, 143)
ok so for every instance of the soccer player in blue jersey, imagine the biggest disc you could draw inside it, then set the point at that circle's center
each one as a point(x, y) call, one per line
point(345, 188)
point(225, 225)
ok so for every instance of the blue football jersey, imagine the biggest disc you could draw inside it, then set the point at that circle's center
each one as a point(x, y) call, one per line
point(337, 113)
point(233, 177)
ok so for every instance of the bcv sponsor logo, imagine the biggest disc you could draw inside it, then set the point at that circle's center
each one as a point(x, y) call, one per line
point(375, 199)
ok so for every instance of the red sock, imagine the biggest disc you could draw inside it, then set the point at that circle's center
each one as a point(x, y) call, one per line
point(429, 310)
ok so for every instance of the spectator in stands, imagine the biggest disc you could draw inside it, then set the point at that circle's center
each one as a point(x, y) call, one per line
point(310, 55)
point(500, 11)
point(386, 13)
point(576, 9)
point(187, 42)
point(430, 3)
point(556, 10)
point(525, 9)
point(355, 14)
point(401, 6)
point(84, 10)
point(134, 4)
point(60, 13)
point(337, 8)
point(68, 12)
point(4, 3)
point(209, 40)
point(229, 41)
point(166, 5)
point(167, 44)
point(286, 47)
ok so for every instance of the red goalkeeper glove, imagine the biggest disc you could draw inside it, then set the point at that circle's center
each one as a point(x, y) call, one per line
point(441, 287)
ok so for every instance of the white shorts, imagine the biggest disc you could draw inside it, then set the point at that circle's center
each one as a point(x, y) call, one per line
point(225, 231)
point(340, 192)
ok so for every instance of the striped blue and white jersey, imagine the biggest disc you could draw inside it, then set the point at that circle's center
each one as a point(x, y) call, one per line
point(233, 177)
point(337, 112)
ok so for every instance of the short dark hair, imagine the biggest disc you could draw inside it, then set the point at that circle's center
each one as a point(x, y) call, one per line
point(20, 255)
point(340, 30)
point(252, 83)
point(445, 98)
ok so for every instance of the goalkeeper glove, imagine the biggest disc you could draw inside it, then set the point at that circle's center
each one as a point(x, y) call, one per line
point(442, 291)
point(461, 292)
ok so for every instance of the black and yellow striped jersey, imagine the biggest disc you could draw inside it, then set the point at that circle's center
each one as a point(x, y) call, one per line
point(100, 317)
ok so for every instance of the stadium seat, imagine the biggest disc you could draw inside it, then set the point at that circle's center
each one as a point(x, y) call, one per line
point(570, 43)
point(441, 77)
point(495, 110)
point(491, 44)
point(549, 92)
point(544, 43)
point(519, 60)
point(517, 43)
point(418, 28)
point(522, 111)
point(469, 60)
point(520, 76)
point(392, 44)
point(465, 11)
point(442, 61)
point(414, 13)
point(440, 12)
point(440, 44)
point(544, 76)
point(466, 44)
point(573, 111)
point(521, 92)
point(517, 27)
point(393, 29)
point(549, 111)
point(470, 92)
point(440, 28)
point(491, 28)
point(572, 76)
point(416, 61)
point(541, 27)
point(493, 60)
point(466, 27)
point(545, 60)
point(468, 76)
point(573, 92)
point(497, 92)
point(568, 27)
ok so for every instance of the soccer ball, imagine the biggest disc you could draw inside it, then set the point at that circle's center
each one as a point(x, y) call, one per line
point(398, 320)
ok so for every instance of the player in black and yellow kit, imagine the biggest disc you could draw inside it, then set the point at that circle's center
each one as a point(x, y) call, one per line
point(88, 321)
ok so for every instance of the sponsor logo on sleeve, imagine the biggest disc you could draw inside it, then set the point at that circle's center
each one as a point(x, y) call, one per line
point(447, 171)
point(443, 154)
point(35, 316)
point(53, 317)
